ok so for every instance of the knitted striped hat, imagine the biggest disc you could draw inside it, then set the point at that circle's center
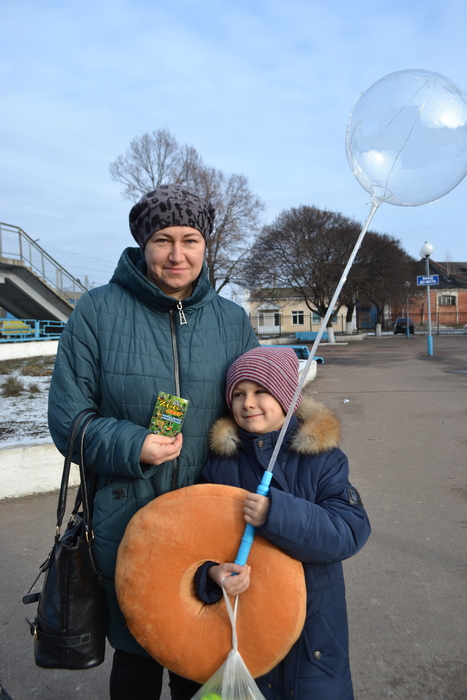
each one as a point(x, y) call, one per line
point(274, 368)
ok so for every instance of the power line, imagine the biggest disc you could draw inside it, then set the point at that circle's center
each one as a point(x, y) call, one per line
point(83, 257)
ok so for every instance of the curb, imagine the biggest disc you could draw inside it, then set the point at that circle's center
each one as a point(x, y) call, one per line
point(28, 348)
point(25, 471)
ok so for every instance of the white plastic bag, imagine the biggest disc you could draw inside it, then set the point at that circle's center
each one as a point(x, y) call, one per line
point(232, 681)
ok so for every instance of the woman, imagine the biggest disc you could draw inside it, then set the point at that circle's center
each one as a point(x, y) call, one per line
point(157, 326)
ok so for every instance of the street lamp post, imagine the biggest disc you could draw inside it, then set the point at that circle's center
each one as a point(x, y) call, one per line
point(407, 326)
point(425, 251)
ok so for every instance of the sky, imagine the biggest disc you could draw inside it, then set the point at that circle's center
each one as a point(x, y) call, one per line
point(259, 87)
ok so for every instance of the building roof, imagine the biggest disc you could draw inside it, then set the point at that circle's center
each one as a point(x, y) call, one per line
point(452, 275)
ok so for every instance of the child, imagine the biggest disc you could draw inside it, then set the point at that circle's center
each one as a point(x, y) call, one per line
point(312, 513)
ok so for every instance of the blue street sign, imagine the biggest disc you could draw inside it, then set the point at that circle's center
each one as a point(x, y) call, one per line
point(425, 280)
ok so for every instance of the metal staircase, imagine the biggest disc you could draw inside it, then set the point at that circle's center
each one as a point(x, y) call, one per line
point(32, 283)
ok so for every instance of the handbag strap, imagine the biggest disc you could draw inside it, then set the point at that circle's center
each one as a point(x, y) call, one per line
point(84, 491)
point(91, 414)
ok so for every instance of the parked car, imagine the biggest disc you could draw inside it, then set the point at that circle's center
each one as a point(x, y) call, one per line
point(400, 326)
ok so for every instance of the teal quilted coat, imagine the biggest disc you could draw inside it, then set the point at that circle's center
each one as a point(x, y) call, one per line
point(123, 344)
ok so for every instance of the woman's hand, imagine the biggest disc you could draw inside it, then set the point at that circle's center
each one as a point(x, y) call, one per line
point(234, 585)
point(159, 448)
point(256, 508)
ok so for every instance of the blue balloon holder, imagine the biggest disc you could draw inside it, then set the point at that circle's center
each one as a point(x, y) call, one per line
point(250, 530)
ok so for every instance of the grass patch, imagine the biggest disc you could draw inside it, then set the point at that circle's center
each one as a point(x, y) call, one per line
point(30, 367)
point(12, 387)
point(9, 366)
point(34, 389)
point(38, 367)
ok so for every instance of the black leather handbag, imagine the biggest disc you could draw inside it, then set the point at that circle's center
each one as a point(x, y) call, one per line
point(70, 625)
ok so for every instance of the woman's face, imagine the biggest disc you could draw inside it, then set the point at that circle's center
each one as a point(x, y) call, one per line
point(174, 257)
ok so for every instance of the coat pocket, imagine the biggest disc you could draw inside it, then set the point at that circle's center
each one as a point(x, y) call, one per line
point(114, 505)
point(322, 649)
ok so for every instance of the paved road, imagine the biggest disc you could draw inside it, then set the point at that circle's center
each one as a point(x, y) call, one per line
point(404, 429)
point(405, 434)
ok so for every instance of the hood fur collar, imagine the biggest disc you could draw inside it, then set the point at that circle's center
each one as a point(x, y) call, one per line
point(318, 431)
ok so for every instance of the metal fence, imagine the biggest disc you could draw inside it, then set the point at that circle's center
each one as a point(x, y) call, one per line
point(450, 322)
point(21, 330)
point(16, 245)
point(274, 323)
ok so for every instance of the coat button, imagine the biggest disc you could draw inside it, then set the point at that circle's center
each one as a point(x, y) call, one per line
point(317, 655)
point(260, 443)
point(269, 685)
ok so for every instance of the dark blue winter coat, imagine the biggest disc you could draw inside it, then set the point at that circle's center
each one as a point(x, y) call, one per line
point(123, 344)
point(317, 517)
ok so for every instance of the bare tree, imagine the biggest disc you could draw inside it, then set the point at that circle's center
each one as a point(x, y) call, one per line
point(149, 161)
point(306, 250)
point(237, 216)
point(383, 267)
point(349, 298)
point(157, 158)
point(448, 262)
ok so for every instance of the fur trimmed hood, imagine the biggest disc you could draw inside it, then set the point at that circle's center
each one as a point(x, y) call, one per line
point(318, 431)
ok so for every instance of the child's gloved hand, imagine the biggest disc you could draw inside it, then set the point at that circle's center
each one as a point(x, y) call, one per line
point(234, 585)
point(256, 509)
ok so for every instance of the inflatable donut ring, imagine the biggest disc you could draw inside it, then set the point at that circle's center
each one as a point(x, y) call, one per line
point(164, 544)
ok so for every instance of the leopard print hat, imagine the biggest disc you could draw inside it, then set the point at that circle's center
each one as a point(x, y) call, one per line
point(170, 205)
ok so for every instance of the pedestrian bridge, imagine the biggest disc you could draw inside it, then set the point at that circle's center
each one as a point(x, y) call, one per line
point(33, 284)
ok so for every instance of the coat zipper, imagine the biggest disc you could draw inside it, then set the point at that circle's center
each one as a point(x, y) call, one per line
point(181, 313)
point(173, 332)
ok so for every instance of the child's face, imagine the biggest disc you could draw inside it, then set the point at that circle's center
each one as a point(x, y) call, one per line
point(255, 409)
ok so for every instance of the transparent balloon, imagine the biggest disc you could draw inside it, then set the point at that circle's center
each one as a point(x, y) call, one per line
point(407, 138)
